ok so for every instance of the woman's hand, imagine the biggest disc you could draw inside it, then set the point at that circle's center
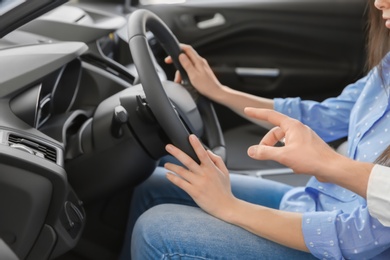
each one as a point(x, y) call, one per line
point(199, 72)
point(208, 183)
point(304, 151)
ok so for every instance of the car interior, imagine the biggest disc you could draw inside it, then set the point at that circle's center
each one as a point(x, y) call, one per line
point(88, 104)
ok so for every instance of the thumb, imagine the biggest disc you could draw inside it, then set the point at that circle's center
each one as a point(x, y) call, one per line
point(264, 152)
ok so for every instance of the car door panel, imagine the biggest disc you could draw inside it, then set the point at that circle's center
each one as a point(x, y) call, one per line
point(275, 48)
point(283, 48)
point(279, 48)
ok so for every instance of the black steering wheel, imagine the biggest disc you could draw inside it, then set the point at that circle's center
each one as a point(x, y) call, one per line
point(177, 117)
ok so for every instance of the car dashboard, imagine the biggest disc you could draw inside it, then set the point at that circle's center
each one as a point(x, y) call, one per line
point(56, 145)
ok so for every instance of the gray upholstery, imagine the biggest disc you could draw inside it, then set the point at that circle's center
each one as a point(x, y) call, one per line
point(5, 252)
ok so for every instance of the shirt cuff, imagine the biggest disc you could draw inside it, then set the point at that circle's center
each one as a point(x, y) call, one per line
point(320, 234)
point(378, 196)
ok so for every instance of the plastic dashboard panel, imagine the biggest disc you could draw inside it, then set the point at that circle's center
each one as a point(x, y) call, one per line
point(35, 194)
point(32, 62)
point(51, 96)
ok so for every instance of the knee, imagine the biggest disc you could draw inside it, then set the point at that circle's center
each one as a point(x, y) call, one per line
point(149, 227)
point(163, 230)
point(150, 234)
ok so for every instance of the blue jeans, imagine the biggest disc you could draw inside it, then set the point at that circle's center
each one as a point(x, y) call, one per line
point(178, 229)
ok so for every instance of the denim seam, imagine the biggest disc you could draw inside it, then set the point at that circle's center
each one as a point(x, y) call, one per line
point(168, 256)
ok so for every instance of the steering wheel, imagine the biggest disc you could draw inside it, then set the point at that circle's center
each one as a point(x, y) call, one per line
point(181, 118)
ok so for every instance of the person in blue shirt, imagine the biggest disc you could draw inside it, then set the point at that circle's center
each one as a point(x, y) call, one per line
point(242, 217)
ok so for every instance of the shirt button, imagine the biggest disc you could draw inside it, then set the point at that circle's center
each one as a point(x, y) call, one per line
point(358, 134)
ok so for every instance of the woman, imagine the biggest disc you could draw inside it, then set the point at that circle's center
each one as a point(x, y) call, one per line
point(250, 218)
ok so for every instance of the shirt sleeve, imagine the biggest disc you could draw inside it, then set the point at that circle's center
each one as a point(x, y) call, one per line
point(338, 235)
point(378, 196)
point(329, 118)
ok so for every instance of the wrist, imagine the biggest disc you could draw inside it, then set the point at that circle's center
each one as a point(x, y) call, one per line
point(348, 173)
point(225, 95)
point(331, 168)
point(218, 93)
point(235, 213)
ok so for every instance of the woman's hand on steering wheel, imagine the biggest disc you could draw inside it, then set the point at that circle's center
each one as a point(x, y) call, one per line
point(199, 72)
point(208, 182)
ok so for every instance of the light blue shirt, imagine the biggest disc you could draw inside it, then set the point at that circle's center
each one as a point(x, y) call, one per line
point(336, 223)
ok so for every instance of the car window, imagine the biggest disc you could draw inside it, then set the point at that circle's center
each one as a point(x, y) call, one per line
point(7, 5)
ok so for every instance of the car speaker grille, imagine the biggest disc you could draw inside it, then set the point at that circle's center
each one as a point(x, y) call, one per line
point(39, 149)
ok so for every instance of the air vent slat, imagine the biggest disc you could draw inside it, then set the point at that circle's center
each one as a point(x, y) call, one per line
point(49, 152)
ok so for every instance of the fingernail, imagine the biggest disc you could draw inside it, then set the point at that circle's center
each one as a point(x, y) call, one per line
point(252, 151)
point(168, 147)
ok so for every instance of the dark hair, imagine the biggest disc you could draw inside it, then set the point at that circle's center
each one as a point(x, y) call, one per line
point(378, 37)
point(378, 45)
point(384, 158)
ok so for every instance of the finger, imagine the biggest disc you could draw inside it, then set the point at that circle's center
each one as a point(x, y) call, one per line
point(186, 160)
point(199, 150)
point(168, 60)
point(186, 62)
point(191, 53)
point(180, 171)
point(177, 77)
point(263, 152)
point(273, 136)
point(183, 47)
point(179, 182)
point(187, 48)
point(188, 66)
point(269, 115)
point(217, 160)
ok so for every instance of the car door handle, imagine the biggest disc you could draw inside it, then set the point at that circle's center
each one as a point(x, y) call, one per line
point(216, 20)
point(257, 72)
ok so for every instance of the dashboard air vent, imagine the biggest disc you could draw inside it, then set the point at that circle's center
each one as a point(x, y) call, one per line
point(36, 148)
